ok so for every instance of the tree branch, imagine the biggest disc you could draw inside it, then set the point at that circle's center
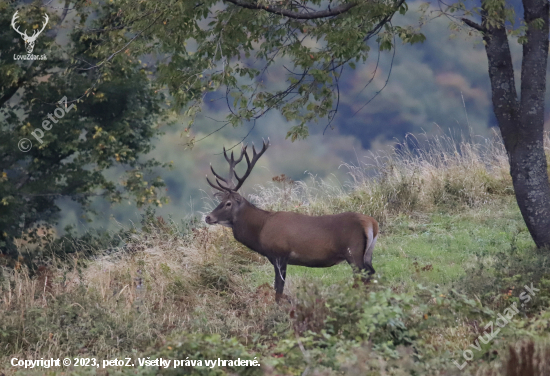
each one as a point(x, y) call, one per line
point(29, 75)
point(385, 20)
point(89, 31)
point(533, 65)
point(473, 25)
point(11, 91)
point(501, 75)
point(123, 48)
point(295, 15)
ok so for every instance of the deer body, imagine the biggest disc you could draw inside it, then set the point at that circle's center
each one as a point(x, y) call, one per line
point(292, 238)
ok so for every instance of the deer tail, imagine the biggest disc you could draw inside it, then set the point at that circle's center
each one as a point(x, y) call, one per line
point(370, 226)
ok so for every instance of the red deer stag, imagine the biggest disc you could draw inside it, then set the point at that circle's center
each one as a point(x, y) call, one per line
point(291, 238)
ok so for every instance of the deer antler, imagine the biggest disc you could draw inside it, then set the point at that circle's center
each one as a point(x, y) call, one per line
point(220, 186)
point(13, 20)
point(232, 163)
point(224, 189)
point(229, 186)
point(250, 165)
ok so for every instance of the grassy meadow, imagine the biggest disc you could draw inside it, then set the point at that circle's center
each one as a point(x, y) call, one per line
point(453, 254)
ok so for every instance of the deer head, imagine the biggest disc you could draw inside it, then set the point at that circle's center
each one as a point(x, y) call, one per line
point(29, 41)
point(226, 212)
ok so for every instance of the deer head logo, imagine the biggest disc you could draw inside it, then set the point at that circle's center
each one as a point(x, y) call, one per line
point(29, 41)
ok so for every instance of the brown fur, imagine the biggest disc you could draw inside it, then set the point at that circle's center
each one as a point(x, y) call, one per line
point(298, 239)
point(291, 238)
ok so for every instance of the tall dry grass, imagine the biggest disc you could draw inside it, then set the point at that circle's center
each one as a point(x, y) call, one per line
point(134, 298)
point(417, 175)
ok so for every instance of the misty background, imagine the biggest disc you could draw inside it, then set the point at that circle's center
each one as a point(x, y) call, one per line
point(439, 86)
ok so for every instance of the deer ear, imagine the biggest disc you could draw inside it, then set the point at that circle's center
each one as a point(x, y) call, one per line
point(238, 198)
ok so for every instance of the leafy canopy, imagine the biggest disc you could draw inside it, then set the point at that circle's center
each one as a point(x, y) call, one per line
point(254, 55)
point(93, 150)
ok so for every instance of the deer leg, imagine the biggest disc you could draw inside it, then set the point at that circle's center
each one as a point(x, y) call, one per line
point(368, 256)
point(359, 263)
point(279, 265)
point(367, 267)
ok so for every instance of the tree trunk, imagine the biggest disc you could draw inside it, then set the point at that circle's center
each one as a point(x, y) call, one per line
point(522, 122)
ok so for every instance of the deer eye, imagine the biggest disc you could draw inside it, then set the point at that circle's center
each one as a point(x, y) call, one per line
point(228, 204)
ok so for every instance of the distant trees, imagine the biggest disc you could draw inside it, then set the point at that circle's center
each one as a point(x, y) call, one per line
point(228, 47)
point(80, 148)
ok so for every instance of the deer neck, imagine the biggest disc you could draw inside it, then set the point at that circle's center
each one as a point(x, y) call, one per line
point(248, 226)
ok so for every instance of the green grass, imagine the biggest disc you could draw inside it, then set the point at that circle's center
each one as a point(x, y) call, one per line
point(443, 243)
point(449, 243)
